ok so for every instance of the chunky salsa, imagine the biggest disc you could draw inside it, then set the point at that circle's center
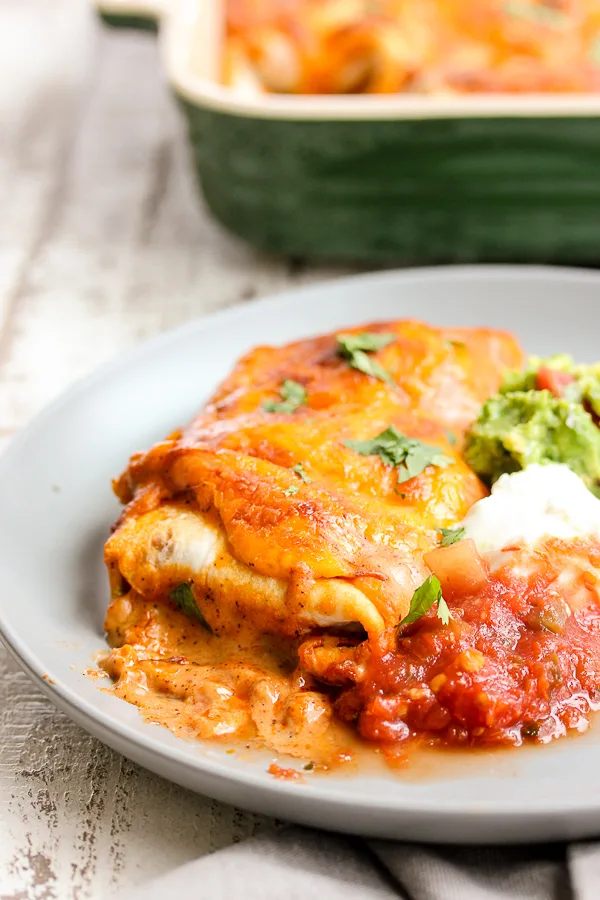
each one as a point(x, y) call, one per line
point(516, 662)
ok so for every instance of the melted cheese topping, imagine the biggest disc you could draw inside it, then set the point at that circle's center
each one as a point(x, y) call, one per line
point(293, 577)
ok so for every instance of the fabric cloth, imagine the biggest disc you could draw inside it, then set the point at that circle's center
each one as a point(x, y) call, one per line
point(300, 864)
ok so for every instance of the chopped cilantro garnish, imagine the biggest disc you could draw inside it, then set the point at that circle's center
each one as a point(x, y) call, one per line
point(451, 535)
point(354, 348)
point(395, 449)
point(298, 469)
point(292, 394)
point(423, 599)
point(183, 598)
point(443, 613)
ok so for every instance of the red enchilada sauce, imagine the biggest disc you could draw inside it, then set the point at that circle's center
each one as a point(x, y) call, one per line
point(518, 661)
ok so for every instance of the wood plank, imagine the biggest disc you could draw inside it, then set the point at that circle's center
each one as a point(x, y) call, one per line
point(40, 99)
point(130, 250)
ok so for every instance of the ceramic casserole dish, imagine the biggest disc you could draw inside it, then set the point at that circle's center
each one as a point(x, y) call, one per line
point(366, 178)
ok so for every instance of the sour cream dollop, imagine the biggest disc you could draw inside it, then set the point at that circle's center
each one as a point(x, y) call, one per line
point(524, 507)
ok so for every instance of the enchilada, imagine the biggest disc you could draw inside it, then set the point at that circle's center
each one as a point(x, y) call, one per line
point(263, 548)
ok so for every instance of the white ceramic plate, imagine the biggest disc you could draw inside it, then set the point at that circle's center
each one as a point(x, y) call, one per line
point(56, 507)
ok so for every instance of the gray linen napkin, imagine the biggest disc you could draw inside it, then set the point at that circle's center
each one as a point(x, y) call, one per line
point(300, 864)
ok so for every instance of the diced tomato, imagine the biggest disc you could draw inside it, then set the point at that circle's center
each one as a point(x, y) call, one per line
point(552, 380)
point(515, 663)
point(459, 567)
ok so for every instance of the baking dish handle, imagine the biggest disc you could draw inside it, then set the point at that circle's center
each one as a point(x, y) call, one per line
point(141, 14)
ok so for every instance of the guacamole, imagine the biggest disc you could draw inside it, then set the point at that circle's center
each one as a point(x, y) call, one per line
point(547, 413)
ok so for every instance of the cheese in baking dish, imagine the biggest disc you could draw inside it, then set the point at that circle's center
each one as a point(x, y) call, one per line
point(419, 46)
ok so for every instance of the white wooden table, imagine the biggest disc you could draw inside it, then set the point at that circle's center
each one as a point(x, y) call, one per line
point(103, 242)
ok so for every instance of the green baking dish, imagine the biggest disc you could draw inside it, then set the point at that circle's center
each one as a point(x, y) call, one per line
point(381, 178)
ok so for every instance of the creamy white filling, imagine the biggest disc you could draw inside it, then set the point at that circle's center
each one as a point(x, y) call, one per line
point(192, 548)
point(527, 506)
point(190, 543)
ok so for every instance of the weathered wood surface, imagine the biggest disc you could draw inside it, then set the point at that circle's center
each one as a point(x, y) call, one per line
point(102, 243)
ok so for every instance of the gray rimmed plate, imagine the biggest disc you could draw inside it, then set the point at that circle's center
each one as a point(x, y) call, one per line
point(56, 507)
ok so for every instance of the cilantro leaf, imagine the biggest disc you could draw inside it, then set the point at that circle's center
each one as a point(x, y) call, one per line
point(354, 348)
point(368, 341)
point(423, 599)
point(451, 535)
point(443, 613)
point(364, 363)
point(298, 470)
point(183, 598)
point(293, 394)
point(397, 450)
